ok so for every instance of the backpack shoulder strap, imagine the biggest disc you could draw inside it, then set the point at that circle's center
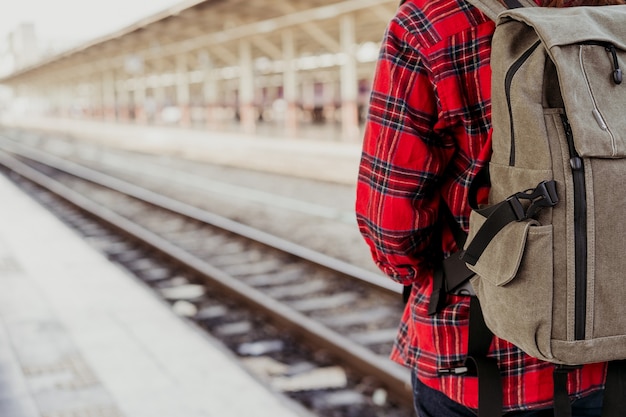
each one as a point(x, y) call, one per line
point(492, 8)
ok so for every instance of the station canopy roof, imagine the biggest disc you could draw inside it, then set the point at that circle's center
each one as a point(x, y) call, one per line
point(216, 26)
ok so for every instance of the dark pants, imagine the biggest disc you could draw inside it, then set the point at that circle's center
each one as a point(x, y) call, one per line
point(432, 403)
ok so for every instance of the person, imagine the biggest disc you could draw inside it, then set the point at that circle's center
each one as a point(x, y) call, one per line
point(426, 137)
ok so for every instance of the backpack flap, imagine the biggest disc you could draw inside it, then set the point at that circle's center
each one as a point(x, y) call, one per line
point(595, 95)
point(492, 8)
point(556, 289)
point(511, 284)
point(501, 259)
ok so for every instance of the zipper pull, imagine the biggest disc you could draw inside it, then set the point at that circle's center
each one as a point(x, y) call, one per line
point(575, 161)
point(567, 127)
point(617, 72)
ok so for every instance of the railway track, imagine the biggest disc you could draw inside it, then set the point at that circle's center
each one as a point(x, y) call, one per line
point(261, 294)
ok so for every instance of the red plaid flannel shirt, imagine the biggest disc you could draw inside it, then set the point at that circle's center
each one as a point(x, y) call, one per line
point(426, 137)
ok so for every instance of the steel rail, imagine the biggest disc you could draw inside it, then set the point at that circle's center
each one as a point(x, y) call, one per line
point(174, 206)
point(395, 378)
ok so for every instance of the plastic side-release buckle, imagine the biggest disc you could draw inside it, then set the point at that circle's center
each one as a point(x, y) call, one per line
point(544, 195)
point(460, 370)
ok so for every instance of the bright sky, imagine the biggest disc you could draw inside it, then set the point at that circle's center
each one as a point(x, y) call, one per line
point(81, 20)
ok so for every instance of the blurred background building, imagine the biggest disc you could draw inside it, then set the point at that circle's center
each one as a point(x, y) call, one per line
point(226, 64)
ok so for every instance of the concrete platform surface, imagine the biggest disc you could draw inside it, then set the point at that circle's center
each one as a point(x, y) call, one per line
point(321, 159)
point(79, 337)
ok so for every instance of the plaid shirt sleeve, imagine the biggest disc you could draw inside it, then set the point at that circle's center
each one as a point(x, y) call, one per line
point(403, 160)
point(426, 137)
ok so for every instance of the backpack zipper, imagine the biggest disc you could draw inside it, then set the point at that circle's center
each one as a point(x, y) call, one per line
point(617, 79)
point(610, 48)
point(580, 234)
point(508, 80)
point(580, 197)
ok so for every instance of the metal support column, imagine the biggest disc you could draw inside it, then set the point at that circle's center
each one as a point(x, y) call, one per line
point(108, 96)
point(158, 92)
point(290, 84)
point(139, 99)
point(247, 111)
point(209, 90)
point(95, 93)
point(349, 82)
point(122, 101)
point(183, 96)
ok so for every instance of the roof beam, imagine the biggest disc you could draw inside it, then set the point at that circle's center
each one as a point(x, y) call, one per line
point(262, 43)
point(318, 34)
point(303, 18)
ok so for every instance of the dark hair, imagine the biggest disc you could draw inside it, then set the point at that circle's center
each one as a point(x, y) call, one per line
point(567, 3)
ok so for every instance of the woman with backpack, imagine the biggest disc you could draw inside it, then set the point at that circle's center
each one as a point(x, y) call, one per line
point(426, 138)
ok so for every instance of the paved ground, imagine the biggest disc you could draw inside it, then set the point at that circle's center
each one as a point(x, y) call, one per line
point(81, 338)
point(329, 160)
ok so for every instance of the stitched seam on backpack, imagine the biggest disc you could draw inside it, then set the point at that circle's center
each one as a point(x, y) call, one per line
point(593, 100)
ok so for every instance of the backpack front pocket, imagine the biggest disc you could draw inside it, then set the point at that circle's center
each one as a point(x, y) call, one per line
point(514, 284)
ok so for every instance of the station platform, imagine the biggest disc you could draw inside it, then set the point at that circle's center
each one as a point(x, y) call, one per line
point(317, 153)
point(79, 337)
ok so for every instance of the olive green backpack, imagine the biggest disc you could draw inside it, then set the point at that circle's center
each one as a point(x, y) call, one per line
point(548, 253)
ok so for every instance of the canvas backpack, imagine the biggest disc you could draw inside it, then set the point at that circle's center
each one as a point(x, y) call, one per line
point(555, 233)
point(547, 255)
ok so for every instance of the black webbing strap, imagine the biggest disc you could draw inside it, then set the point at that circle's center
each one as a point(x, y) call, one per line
point(438, 296)
point(614, 402)
point(456, 274)
point(497, 216)
point(562, 405)
point(485, 368)
point(452, 267)
point(513, 4)
point(519, 206)
point(406, 293)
